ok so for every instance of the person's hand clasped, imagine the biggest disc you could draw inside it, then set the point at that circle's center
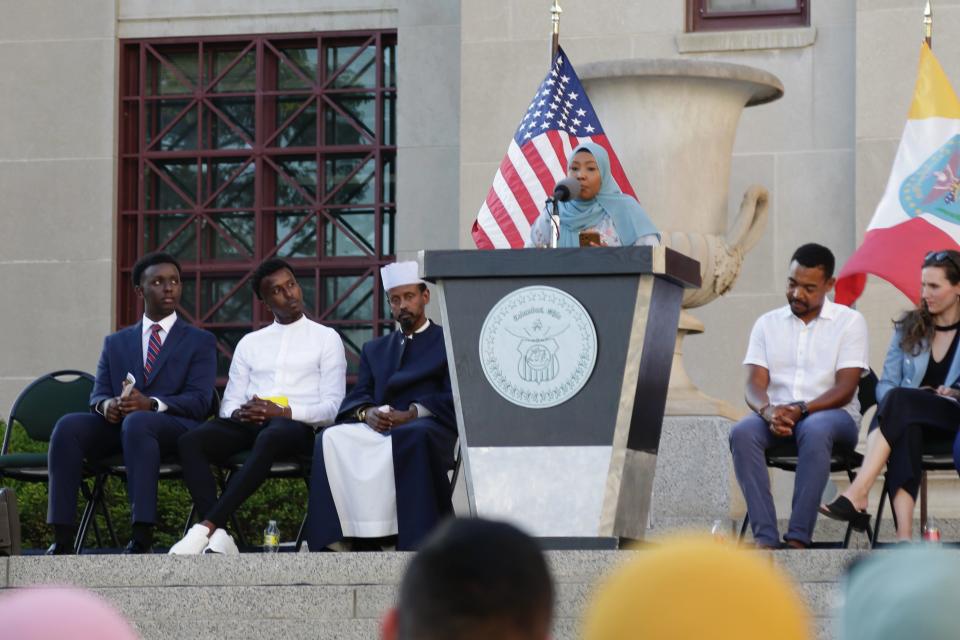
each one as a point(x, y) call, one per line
point(111, 410)
point(257, 411)
point(384, 418)
point(135, 401)
point(782, 419)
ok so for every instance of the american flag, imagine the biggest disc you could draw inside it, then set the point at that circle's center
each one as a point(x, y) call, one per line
point(559, 118)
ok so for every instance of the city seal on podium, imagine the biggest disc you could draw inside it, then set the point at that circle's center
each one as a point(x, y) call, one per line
point(538, 347)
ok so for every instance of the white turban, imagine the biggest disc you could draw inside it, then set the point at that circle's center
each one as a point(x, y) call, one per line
point(399, 274)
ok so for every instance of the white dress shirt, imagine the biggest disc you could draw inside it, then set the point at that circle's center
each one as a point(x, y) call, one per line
point(303, 361)
point(165, 325)
point(803, 358)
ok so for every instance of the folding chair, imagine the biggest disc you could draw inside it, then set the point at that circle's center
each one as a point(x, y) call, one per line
point(37, 409)
point(114, 466)
point(936, 456)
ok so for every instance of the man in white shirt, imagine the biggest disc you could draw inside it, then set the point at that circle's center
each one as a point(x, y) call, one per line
point(803, 365)
point(286, 380)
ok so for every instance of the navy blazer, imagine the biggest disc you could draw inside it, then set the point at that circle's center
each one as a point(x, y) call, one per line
point(901, 369)
point(183, 377)
point(392, 374)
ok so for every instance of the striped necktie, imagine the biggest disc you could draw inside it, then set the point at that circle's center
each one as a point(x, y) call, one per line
point(153, 350)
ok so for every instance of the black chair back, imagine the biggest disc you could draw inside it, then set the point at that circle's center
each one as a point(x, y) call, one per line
point(46, 400)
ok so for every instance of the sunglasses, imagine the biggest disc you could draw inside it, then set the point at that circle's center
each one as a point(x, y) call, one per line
point(941, 256)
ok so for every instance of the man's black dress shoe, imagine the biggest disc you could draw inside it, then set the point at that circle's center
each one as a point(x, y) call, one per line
point(135, 547)
point(60, 549)
point(842, 509)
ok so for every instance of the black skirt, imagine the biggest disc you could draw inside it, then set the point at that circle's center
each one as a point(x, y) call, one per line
point(914, 421)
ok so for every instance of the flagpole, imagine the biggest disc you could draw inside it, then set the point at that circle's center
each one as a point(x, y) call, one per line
point(555, 12)
point(927, 25)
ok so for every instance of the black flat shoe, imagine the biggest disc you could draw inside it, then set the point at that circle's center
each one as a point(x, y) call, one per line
point(134, 547)
point(842, 509)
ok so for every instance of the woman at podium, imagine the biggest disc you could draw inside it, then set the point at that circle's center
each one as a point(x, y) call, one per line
point(597, 214)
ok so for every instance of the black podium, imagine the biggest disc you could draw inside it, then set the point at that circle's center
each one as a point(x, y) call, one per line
point(560, 360)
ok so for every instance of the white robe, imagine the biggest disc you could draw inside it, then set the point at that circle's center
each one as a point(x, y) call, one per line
point(359, 464)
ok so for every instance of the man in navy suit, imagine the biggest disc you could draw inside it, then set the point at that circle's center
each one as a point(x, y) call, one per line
point(174, 367)
point(383, 471)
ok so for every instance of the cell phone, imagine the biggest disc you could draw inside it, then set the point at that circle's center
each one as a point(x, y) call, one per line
point(589, 238)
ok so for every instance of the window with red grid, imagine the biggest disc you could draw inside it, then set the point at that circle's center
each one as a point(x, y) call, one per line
point(238, 149)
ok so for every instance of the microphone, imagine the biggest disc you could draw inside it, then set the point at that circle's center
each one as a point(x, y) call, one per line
point(566, 189)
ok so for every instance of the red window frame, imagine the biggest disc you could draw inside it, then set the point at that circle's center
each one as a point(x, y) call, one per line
point(701, 18)
point(236, 149)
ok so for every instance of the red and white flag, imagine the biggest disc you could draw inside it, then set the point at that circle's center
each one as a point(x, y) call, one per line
point(558, 119)
point(920, 209)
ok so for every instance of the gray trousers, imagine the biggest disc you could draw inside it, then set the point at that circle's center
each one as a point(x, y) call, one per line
point(814, 437)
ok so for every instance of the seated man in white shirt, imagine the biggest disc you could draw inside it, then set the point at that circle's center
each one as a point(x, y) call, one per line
point(286, 380)
point(804, 363)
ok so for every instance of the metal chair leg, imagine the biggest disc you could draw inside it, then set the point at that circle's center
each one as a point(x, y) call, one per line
point(108, 521)
point(93, 497)
point(923, 502)
point(190, 518)
point(743, 527)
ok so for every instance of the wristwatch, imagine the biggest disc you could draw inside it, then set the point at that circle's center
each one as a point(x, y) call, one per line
point(762, 411)
point(154, 404)
point(362, 414)
point(804, 412)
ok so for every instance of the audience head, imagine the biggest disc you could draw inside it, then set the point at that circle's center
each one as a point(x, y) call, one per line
point(407, 294)
point(474, 579)
point(695, 587)
point(156, 280)
point(41, 613)
point(810, 280)
point(274, 283)
point(908, 593)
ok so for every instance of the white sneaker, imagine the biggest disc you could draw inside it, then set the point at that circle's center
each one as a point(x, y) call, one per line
point(193, 543)
point(222, 542)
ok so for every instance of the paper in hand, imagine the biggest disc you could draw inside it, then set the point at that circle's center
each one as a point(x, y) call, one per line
point(127, 385)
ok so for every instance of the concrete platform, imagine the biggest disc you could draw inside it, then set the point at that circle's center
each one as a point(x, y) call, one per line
point(331, 595)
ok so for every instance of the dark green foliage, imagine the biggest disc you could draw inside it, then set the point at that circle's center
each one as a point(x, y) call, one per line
point(282, 500)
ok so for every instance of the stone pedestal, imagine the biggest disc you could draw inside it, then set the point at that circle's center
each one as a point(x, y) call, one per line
point(694, 482)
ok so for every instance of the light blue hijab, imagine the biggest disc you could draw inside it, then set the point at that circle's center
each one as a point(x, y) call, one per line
point(629, 218)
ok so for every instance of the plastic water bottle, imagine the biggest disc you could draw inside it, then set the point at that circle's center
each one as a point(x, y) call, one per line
point(719, 530)
point(931, 532)
point(271, 537)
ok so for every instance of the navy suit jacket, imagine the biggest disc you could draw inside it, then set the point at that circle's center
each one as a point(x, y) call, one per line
point(183, 377)
point(395, 374)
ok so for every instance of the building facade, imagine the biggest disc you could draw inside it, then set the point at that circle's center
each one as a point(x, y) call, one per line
point(339, 133)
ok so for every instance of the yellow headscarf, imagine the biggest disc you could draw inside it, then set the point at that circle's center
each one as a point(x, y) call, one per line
point(692, 588)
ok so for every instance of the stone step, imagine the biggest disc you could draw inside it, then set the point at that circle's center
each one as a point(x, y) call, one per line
point(337, 595)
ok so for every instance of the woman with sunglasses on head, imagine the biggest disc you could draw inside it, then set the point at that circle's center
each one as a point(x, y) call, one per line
point(917, 397)
point(605, 216)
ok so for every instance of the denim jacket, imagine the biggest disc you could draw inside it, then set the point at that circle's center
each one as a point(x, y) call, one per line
point(901, 369)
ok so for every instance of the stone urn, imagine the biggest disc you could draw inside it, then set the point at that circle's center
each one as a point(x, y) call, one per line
point(673, 124)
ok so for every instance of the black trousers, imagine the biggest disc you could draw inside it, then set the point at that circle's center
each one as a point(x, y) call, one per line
point(910, 419)
point(215, 441)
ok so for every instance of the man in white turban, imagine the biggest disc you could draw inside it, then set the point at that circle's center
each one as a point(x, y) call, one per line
point(383, 471)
